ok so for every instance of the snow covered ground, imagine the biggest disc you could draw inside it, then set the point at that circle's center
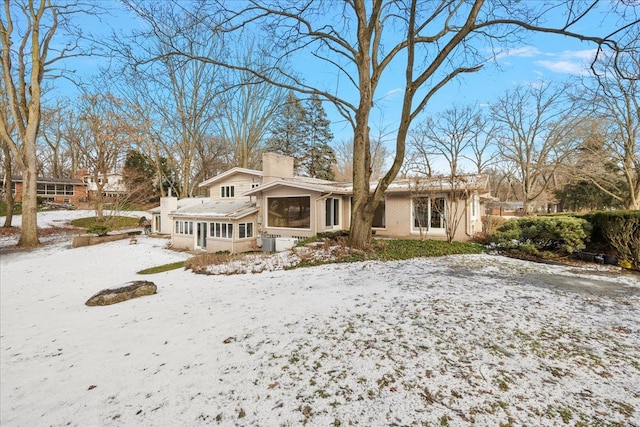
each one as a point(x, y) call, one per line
point(460, 340)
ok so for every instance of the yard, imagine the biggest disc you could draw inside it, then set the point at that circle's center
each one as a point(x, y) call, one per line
point(456, 340)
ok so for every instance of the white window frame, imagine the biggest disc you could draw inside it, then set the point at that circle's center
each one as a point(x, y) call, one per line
point(227, 191)
point(245, 230)
point(332, 213)
point(428, 225)
point(221, 230)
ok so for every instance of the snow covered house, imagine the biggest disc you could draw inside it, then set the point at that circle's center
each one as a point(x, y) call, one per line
point(272, 209)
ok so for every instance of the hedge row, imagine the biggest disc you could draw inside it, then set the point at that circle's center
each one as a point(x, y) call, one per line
point(620, 230)
point(549, 235)
point(543, 236)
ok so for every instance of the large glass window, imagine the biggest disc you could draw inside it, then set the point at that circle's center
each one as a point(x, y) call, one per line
point(332, 212)
point(428, 213)
point(289, 212)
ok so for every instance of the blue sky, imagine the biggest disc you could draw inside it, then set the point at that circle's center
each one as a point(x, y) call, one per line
point(542, 57)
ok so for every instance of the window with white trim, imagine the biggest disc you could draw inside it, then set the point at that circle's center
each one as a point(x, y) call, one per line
point(221, 230)
point(245, 230)
point(289, 212)
point(227, 191)
point(428, 213)
point(184, 227)
point(332, 212)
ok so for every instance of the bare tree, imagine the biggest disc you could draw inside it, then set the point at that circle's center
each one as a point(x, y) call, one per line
point(615, 102)
point(432, 42)
point(103, 137)
point(52, 133)
point(483, 145)
point(536, 135)
point(35, 36)
point(177, 98)
point(248, 108)
point(449, 135)
point(343, 167)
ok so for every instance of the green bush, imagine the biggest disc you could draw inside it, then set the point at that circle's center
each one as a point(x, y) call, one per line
point(543, 236)
point(99, 229)
point(620, 230)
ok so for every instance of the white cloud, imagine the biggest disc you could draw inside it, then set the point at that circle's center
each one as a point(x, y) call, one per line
point(568, 61)
point(566, 67)
point(523, 52)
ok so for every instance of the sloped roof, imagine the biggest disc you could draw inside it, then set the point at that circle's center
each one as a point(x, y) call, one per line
point(72, 181)
point(226, 209)
point(304, 183)
point(439, 183)
point(404, 185)
point(229, 173)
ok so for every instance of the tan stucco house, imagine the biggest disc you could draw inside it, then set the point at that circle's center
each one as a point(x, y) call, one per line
point(272, 209)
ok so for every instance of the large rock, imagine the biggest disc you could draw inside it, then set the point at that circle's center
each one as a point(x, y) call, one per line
point(134, 289)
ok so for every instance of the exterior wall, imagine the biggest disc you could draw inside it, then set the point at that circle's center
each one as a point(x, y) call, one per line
point(399, 220)
point(215, 244)
point(241, 181)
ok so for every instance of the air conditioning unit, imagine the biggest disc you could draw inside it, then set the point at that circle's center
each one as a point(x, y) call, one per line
point(283, 243)
point(268, 244)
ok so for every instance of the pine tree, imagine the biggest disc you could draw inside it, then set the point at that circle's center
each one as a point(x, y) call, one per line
point(319, 158)
point(290, 131)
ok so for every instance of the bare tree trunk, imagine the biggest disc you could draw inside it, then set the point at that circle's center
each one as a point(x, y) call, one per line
point(8, 182)
point(29, 228)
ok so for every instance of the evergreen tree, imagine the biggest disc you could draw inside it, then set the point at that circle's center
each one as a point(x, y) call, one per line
point(318, 157)
point(290, 131)
point(139, 175)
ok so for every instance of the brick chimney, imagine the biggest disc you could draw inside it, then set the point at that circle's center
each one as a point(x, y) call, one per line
point(276, 166)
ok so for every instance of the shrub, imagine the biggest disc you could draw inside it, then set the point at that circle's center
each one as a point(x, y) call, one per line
point(99, 229)
point(492, 223)
point(543, 236)
point(621, 231)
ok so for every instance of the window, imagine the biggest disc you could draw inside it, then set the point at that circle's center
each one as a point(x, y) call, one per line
point(54, 190)
point(254, 185)
point(245, 230)
point(184, 227)
point(227, 191)
point(428, 213)
point(437, 213)
point(332, 212)
point(420, 212)
point(221, 230)
point(289, 212)
point(379, 216)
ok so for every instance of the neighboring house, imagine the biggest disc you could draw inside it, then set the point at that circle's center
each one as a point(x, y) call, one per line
point(56, 190)
point(113, 185)
point(248, 209)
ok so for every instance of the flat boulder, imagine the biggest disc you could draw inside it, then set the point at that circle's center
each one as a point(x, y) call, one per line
point(133, 289)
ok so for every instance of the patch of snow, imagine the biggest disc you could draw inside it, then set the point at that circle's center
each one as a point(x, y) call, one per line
point(470, 340)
